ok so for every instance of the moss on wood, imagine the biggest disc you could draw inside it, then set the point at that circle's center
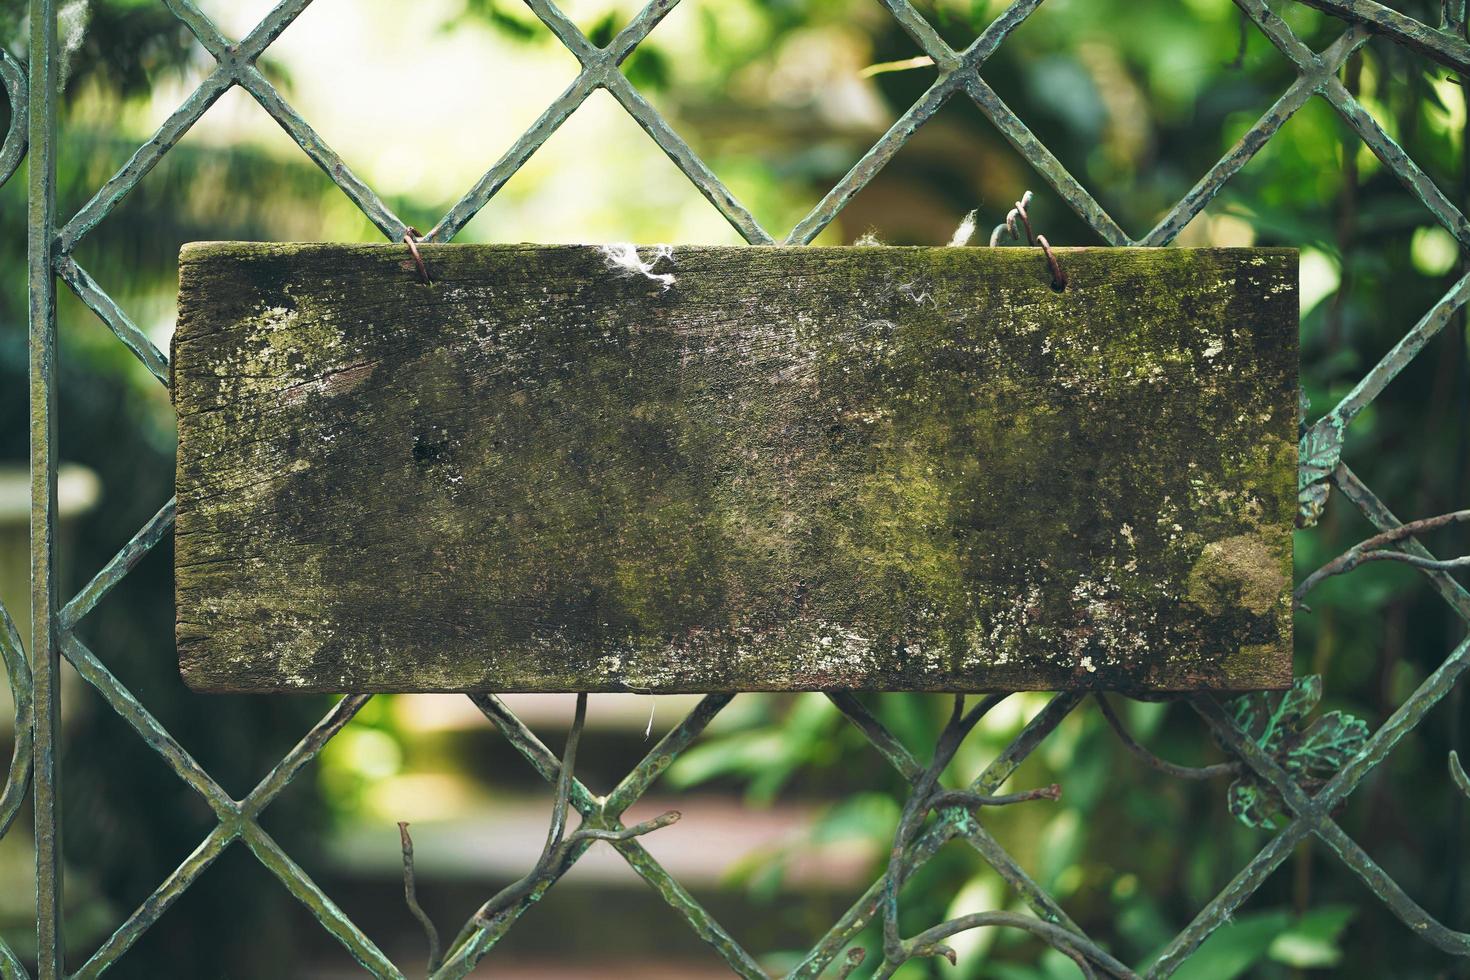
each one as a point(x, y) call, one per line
point(797, 468)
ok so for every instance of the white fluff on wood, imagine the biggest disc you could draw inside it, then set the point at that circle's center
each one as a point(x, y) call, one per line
point(623, 257)
point(964, 232)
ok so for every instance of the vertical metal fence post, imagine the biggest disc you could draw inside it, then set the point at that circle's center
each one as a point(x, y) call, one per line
point(44, 84)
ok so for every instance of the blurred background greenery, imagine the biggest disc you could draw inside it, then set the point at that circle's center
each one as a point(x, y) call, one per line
point(788, 812)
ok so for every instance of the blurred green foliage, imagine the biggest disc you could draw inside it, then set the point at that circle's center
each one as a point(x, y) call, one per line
point(1138, 98)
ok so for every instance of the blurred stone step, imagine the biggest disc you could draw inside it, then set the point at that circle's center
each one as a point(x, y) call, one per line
point(715, 837)
point(606, 712)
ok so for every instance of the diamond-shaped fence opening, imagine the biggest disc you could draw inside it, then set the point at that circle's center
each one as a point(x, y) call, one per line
point(955, 164)
point(1131, 136)
point(434, 92)
point(572, 188)
point(1273, 776)
point(215, 183)
point(805, 118)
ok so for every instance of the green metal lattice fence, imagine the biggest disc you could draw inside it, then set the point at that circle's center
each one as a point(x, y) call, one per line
point(33, 92)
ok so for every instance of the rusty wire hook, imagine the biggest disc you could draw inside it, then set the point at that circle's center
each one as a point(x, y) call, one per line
point(1058, 275)
point(411, 237)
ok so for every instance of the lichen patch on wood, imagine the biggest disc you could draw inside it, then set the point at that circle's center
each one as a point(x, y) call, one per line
point(793, 468)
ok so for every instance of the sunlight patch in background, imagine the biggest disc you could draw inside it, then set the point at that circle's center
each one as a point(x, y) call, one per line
point(1320, 276)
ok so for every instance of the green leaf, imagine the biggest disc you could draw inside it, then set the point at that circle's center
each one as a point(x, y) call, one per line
point(648, 69)
point(1234, 948)
point(1269, 717)
point(1277, 722)
point(1312, 942)
point(1318, 455)
point(1328, 745)
point(1251, 806)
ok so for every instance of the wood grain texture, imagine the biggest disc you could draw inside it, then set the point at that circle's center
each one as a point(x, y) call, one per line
point(795, 468)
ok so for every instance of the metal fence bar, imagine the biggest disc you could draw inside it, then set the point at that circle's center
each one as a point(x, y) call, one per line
point(1410, 912)
point(13, 147)
point(322, 908)
point(949, 82)
point(1400, 723)
point(1224, 905)
point(601, 813)
point(898, 756)
point(45, 84)
point(159, 901)
point(158, 738)
point(595, 71)
point(1395, 159)
point(677, 897)
point(233, 819)
point(187, 114)
point(663, 753)
point(1246, 148)
point(144, 159)
point(862, 912)
point(687, 160)
point(1044, 162)
point(863, 172)
point(1035, 731)
point(199, 24)
point(510, 164)
point(1447, 49)
point(137, 548)
point(1383, 519)
point(97, 300)
point(321, 154)
point(1000, 115)
point(18, 775)
point(1408, 347)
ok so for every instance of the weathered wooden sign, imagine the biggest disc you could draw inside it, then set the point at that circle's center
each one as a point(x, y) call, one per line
point(788, 468)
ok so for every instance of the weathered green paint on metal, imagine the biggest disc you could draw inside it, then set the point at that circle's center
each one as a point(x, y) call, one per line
point(1297, 95)
point(604, 812)
point(1439, 45)
point(17, 93)
point(18, 776)
point(234, 817)
point(18, 679)
point(45, 85)
point(97, 300)
point(12, 651)
point(157, 528)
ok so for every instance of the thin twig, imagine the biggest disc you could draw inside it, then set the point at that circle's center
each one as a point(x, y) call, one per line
point(950, 737)
point(930, 942)
point(1373, 549)
point(924, 799)
point(1457, 773)
point(624, 833)
point(559, 844)
point(974, 801)
point(1162, 765)
point(517, 890)
point(410, 896)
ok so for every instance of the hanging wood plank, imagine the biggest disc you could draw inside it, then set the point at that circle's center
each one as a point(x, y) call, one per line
point(791, 468)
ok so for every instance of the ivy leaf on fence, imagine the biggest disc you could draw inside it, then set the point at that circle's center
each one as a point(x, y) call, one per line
point(1311, 753)
point(1318, 455)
